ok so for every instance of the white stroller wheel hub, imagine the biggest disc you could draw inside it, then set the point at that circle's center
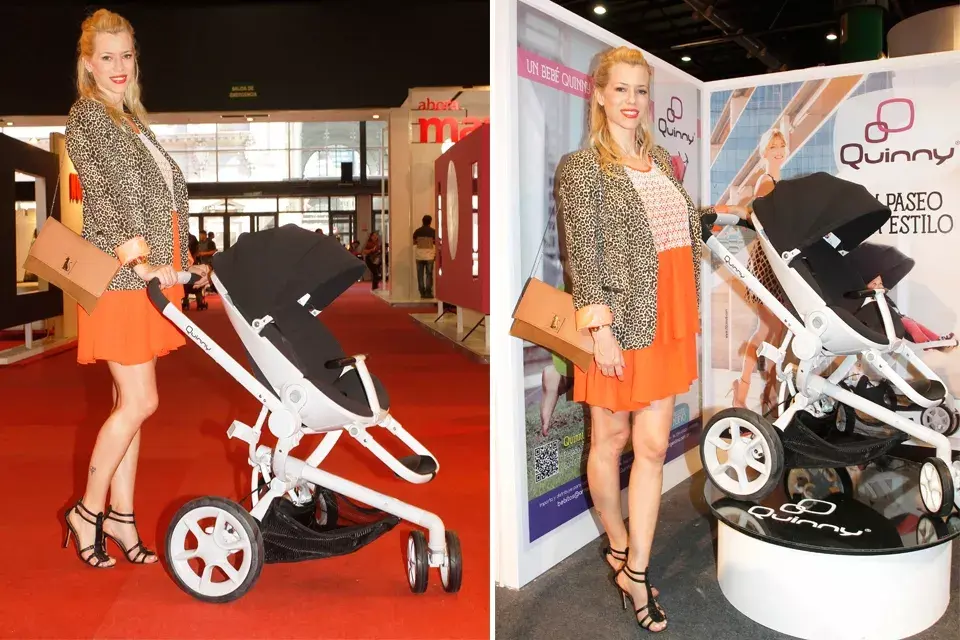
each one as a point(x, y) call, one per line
point(745, 449)
point(937, 418)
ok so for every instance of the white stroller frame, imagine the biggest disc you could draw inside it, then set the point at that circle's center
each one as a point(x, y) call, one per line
point(302, 409)
point(816, 341)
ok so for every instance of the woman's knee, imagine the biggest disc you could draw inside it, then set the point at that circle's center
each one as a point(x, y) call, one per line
point(651, 448)
point(140, 407)
point(609, 435)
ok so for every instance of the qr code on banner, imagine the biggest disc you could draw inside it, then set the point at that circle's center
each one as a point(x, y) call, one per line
point(546, 460)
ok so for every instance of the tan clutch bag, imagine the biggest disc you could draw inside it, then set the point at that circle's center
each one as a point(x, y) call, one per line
point(545, 316)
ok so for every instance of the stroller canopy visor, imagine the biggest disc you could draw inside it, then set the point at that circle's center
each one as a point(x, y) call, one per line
point(870, 260)
point(269, 269)
point(801, 211)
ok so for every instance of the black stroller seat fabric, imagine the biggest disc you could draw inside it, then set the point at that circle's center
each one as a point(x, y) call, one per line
point(309, 345)
point(825, 270)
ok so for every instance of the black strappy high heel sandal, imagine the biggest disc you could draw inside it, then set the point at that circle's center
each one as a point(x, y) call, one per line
point(142, 553)
point(621, 556)
point(97, 558)
point(654, 614)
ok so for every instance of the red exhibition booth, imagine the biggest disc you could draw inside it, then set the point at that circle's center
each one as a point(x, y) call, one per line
point(463, 222)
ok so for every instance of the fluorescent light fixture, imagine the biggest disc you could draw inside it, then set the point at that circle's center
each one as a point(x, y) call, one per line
point(686, 58)
point(831, 36)
point(599, 9)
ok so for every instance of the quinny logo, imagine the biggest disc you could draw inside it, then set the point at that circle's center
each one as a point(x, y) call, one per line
point(853, 154)
point(674, 114)
point(806, 506)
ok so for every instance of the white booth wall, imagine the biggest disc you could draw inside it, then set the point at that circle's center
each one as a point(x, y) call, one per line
point(411, 185)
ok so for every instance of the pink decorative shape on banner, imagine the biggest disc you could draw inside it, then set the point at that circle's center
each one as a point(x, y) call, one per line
point(553, 74)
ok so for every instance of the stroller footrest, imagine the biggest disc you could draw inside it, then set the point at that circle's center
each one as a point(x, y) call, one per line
point(930, 389)
point(421, 465)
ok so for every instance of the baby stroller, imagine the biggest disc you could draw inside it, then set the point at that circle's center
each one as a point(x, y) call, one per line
point(806, 227)
point(274, 284)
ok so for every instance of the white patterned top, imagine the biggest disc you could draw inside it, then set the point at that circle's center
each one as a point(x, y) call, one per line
point(665, 206)
point(162, 163)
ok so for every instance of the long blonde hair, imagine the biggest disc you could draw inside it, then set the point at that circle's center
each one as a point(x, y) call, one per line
point(105, 21)
point(767, 139)
point(600, 137)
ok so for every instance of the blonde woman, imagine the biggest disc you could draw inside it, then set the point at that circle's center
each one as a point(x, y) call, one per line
point(773, 150)
point(633, 238)
point(134, 208)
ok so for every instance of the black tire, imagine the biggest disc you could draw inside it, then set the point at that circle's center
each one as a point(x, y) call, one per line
point(454, 569)
point(774, 446)
point(249, 529)
point(930, 529)
point(417, 561)
point(955, 425)
point(937, 468)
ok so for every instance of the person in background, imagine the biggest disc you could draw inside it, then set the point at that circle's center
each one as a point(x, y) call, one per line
point(425, 250)
point(373, 256)
point(193, 246)
point(207, 249)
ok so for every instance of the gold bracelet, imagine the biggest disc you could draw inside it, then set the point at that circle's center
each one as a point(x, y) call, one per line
point(136, 261)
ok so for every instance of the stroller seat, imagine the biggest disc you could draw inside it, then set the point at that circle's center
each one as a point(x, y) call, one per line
point(308, 345)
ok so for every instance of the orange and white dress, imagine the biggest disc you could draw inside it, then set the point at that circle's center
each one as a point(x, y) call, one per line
point(669, 365)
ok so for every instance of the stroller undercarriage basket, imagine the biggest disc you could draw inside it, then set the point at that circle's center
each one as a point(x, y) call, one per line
point(328, 525)
point(805, 448)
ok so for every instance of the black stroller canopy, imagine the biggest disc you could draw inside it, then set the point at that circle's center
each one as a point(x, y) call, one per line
point(801, 211)
point(267, 270)
point(871, 260)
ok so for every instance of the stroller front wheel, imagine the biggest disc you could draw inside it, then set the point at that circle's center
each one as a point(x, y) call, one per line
point(742, 454)
point(451, 571)
point(418, 562)
point(936, 487)
point(215, 549)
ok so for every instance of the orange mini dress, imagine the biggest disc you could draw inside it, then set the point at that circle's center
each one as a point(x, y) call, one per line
point(669, 365)
point(125, 327)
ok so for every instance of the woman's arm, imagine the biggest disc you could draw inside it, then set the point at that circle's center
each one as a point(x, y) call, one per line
point(112, 209)
point(579, 180)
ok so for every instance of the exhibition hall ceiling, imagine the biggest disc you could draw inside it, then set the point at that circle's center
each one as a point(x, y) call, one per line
point(734, 38)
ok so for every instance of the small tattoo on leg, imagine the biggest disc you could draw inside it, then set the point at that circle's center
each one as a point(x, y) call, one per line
point(93, 470)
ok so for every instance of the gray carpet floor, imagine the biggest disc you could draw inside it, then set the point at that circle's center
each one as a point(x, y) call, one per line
point(576, 599)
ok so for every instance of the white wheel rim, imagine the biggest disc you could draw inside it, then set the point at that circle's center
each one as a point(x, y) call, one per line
point(746, 442)
point(956, 483)
point(445, 568)
point(411, 562)
point(931, 489)
point(215, 546)
point(937, 418)
point(925, 532)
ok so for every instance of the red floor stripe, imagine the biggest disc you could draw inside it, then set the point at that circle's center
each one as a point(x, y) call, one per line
point(53, 408)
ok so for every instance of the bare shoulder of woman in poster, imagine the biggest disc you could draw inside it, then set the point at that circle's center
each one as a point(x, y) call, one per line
point(633, 240)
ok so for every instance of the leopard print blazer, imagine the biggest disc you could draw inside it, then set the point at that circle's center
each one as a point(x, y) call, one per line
point(612, 258)
point(124, 193)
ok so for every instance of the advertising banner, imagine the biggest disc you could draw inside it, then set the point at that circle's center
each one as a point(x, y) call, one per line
point(895, 132)
point(554, 64)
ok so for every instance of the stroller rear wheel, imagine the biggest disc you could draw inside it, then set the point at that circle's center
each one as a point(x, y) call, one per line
point(940, 419)
point(936, 487)
point(751, 449)
point(215, 549)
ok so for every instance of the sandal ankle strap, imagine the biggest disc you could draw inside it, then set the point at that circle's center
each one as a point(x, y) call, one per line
point(86, 515)
point(616, 553)
point(111, 513)
point(640, 577)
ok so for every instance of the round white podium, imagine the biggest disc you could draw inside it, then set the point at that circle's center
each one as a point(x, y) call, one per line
point(831, 558)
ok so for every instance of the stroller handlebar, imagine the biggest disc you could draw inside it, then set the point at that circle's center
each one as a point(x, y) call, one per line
point(711, 220)
point(156, 293)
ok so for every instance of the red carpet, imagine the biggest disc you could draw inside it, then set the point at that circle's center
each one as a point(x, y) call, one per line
point(52, 409)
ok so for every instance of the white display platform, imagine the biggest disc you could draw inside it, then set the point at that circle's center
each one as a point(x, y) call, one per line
point(824, 596)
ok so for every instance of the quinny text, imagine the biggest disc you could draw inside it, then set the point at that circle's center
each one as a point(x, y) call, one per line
point(196, 338)
point(673, 132)
point(762, 512)
point(853, 155)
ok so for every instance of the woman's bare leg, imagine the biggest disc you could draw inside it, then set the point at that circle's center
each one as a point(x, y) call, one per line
point(136, 400)
point(651, 437)
point(767, 324)
point(608, 436)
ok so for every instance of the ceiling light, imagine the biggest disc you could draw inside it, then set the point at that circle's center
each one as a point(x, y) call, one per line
point(249, 119)
point(599, 9)
point(376, 116)
point(831, 36)
point(9, 124)
point(685, 58)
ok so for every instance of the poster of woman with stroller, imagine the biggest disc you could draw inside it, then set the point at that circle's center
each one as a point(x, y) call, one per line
point(891, 132)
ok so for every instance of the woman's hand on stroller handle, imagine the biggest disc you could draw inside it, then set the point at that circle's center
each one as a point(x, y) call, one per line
point(202, 273)
point(863, 294)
